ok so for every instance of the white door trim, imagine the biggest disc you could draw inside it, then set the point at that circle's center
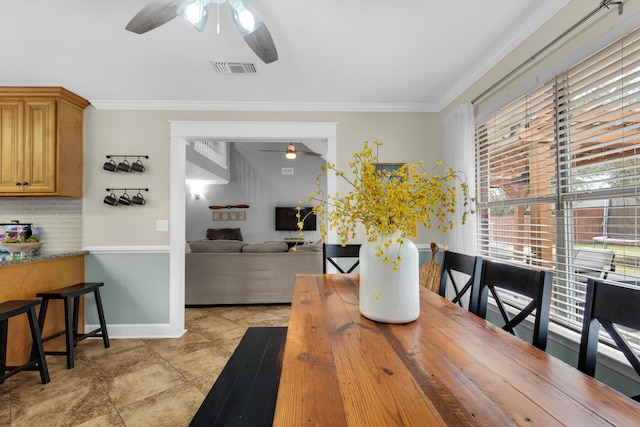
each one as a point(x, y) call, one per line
point(179, 133)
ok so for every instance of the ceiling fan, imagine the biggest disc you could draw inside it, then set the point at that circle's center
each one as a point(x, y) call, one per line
point(247, 20)
point(291, 152)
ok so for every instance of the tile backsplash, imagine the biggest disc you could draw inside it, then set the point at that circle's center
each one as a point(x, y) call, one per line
point(57, 219)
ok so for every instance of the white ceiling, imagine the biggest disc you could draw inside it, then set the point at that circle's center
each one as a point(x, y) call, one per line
point(367, 55)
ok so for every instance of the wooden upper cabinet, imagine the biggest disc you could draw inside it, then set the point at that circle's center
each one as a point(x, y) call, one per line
point(41, 141)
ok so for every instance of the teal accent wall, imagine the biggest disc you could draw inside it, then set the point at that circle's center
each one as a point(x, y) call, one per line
point(136, 287)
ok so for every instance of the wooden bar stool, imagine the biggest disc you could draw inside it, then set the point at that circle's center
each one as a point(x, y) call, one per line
point(37, 360)
point(71, 317)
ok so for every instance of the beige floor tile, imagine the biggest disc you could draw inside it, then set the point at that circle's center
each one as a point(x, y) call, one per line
point(142, 383)
point(221, 334)
point(68, 409)
point(94, 347)
point(189, 339)
point(5, 403)
point(194, 364)
point(172, 408)
point(113, 364)
point(63, 380)
point(254, 313)
point(212, 323)
point(205, 382)
point(112, 419)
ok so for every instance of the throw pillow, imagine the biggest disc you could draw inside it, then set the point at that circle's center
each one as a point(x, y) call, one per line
point(216, 246)
point(310, 247)
point(224, 234)
point(267, 247)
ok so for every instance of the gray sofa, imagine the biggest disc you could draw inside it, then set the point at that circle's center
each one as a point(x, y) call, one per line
point(219, 272)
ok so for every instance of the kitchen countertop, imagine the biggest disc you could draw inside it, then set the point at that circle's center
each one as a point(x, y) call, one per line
point(6, 259)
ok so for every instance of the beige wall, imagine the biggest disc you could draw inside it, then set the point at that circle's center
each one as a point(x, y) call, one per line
point(407, 136)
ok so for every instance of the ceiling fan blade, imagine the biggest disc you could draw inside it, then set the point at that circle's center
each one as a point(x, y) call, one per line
point(153, 15)
point(308, 153)
point(253, 29)
point(304, 153)
point(261, 42)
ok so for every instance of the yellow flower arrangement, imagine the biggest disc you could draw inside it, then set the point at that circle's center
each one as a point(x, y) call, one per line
point(388, 201)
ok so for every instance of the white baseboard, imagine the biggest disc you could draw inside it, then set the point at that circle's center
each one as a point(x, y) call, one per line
point(159, 330)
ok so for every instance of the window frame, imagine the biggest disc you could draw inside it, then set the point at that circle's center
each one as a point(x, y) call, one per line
point(562, 201)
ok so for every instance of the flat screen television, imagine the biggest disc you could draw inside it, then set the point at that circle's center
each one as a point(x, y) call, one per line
point(286, 218)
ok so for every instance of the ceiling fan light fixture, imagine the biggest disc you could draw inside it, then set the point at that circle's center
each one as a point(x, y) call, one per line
point(246, 18)
point(195, 13)
point(291, 152)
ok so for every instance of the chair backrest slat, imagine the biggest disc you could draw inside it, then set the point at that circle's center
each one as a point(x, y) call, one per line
point(608, 304)
point(523, 281)
point(468, 265)
point(332, 251)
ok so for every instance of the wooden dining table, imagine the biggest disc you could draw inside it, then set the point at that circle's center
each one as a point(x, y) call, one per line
point(449, 367)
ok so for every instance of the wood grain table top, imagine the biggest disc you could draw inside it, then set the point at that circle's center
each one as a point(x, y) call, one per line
point(449, 367)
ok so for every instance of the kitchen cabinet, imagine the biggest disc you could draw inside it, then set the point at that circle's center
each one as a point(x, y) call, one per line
point(41, 141)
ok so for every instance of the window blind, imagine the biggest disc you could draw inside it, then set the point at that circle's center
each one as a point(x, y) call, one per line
point(558, 172)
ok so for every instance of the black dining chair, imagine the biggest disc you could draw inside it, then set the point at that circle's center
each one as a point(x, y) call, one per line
point(608, 304)
point(455, 267)
point(332, 252)
point(525, 287)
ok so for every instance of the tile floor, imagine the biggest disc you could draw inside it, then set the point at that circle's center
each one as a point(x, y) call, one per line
point(135, 382)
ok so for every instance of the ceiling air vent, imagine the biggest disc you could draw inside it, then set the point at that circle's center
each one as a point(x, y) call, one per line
point(226, 67)
point(287, 171)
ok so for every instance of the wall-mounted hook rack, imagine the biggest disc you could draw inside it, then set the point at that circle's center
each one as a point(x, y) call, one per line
point(109, 156)
point(127, 189)
point(125, 199)
point(124, 166)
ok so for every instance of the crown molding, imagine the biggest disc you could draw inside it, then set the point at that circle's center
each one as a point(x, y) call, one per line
point(264, 106)
point(513, 40)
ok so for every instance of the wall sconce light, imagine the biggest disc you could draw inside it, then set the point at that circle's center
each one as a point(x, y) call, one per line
point(196, 187)
point(197, 190)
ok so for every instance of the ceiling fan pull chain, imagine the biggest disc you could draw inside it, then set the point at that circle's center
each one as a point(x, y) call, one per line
point(218, 19)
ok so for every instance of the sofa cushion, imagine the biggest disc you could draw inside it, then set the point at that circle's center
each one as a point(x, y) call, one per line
point(267, 247)
point(216, 246)
point(310, 247)
point(224, 234)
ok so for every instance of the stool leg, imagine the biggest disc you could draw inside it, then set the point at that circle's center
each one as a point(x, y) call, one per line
point(103, 323)
point(3, 347)
point(68, 317)
point(76, 313)
point(36, 336)
point(42, 313)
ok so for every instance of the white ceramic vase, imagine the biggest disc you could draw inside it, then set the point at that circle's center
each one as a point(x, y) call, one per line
point(388, 295)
